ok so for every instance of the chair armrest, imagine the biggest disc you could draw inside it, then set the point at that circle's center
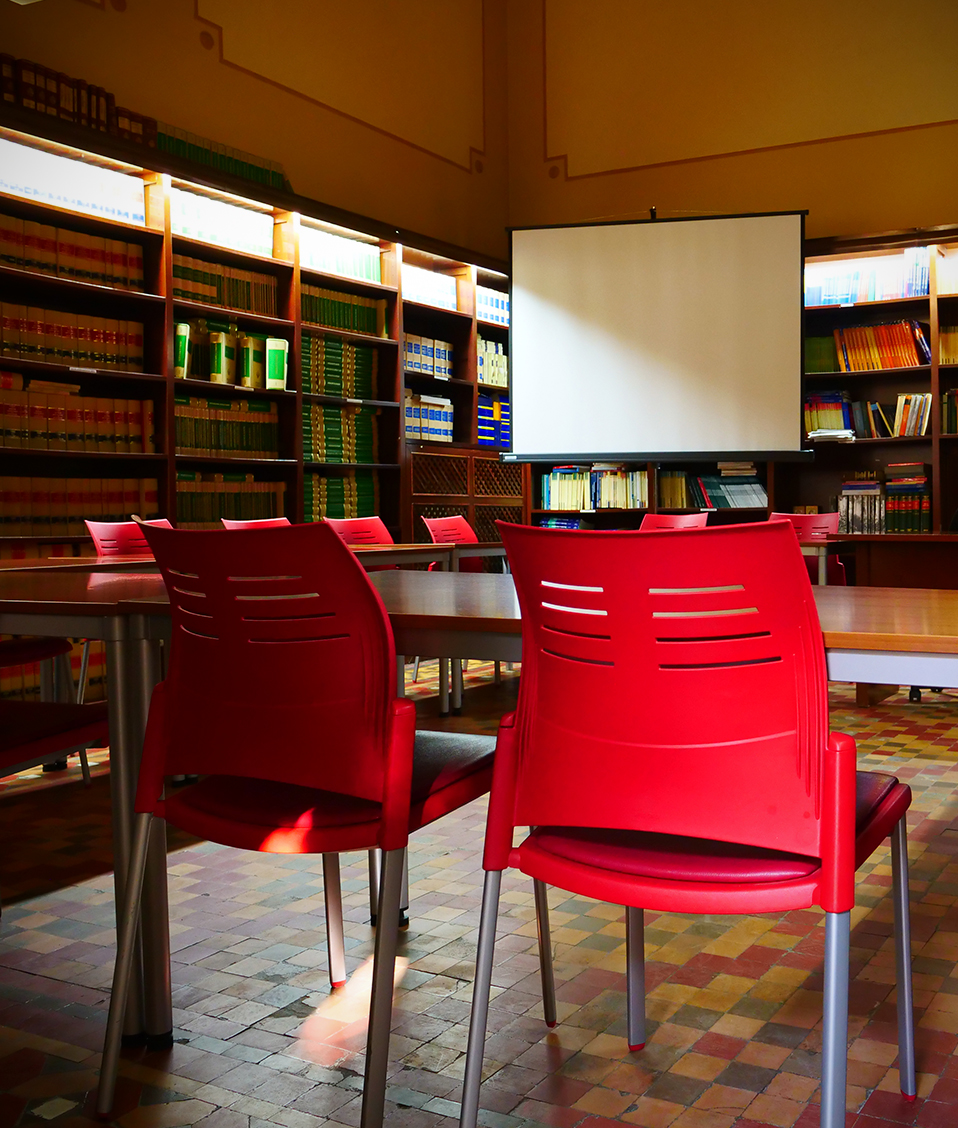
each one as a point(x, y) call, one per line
point(400, 744)
point(838, 824)
point(500, 822)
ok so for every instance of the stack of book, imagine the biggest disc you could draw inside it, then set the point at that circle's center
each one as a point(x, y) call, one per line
point(76, 339)
point(225, 225)
point(333, 367)
point(353, 494)
point(62, 420)
point(821, 354)
point(428, 287)
point(492, 305)
point(234, 162)
point(907, 498)
point(835, 415)
point(567, 487)
point(333, 254)
point(870, 348)
point(493, 364)
point(339, 434)
point(41, 507)
point(213, 284)
point(559, 522)
point(427, 356)
point(861, 505)
point(60, 252)
point(334, 310)
point(729, 489)
point(428, 418)
point(219, 351)
point(948, 342)
point(202, 500)
point(903, 275)
point(247, 428)
point(612, 486)
point(495, 421)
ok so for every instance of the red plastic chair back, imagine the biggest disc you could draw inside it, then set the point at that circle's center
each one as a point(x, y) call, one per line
point(812, 527)
point(671, 682)
point(652, 522)
point(361, 530)
point(263, 523)
point(122, 538)
point(454, 530)
point(282, 663)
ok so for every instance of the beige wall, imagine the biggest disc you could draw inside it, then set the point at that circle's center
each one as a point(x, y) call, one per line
point(397, 109)
point(393, 110)
point(847, 109)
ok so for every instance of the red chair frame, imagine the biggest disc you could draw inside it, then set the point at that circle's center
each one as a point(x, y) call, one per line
point(816, 527)
point(656, 522)
point(122, 538)
point(640, 800)
point(261, 523)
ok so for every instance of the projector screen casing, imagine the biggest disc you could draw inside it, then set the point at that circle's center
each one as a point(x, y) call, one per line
point(659, 339)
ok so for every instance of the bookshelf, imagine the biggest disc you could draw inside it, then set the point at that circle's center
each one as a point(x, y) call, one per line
point(228, 286)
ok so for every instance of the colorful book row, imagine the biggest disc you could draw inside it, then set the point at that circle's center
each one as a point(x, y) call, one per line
point(59, 252)
point(615, 487)
point(340, 434)
point(58, 506)
point(246, 291)
point(208, 220)
point(333, 367)
point(202, 500)
point(868, 419)
point(42, 421)
point(494, 421)
point(22, 683)
point(352, 494)
point(428, 418)
point(881, 278)
point(492, 305)
point(493, 364)
point(870, 348)
point(223, 354)
point(246, 427)
point(334, 310)
point(427, 356)
point(76, 339)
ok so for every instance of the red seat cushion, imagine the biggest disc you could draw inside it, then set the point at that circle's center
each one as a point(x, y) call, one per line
point(670, 857)
point(29, 729)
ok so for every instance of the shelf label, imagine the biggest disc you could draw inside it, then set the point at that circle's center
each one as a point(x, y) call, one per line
point(88, 371)
point(349, 399)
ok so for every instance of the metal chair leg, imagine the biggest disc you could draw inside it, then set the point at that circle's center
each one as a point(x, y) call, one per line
point(906, 1019)
point(85, 767)
point(835, 1027)
point(546, 973)
point(415, 668)
point(375, 863)
point(480, 999)
point(635, 976)
point(127, 919)
point(335, 941)
point(404, 895)
point(444, 687)
point(84, 672)
point(497, 673)
point(457, 667)
point(381, 1000)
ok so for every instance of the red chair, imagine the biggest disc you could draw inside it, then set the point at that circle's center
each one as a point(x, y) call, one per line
point(813, 527)
point(281, 694)
point(641, 799)
point(360, 530)
point(454, 530)
point(263, 523)
point(122, 538)
point(654, 522)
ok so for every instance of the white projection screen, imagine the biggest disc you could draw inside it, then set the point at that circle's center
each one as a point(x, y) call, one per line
point(662, 338)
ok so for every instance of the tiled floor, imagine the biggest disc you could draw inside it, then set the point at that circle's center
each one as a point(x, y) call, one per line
point(735, 1002)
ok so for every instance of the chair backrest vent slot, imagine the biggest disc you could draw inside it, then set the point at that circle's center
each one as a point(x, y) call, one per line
point(311, 638)
point(575, 610)
point(704, 614)
point(289, 618)
point(289, 595)
point(195, 614)
point(719, 638)
point(577, 634)
point(195, 594)
point(259, 579)
point(696, 591)
point(183, 575)
point(199, 634)
point(576, 658)
point(719, 665)
point(569, 587)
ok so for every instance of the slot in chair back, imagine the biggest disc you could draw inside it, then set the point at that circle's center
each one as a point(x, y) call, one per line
point(607, 616)
point(122, 538)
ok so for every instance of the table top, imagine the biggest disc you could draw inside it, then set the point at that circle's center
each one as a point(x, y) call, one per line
point(79, 563)
point(918, 620)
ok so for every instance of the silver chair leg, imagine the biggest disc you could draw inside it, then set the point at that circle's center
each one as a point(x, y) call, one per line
point(546, 973)
point(381, 1001)
point(457, 665)
point(404, 894)
point(335, 941)
point(85, 767)
point(375, 862)
point(480, 1000)
point(835, 1028)
point(127, 919)
point(415, 668)
point(444, 687)
point(635, 976)
point(906, 1019)
point(65, 689)
point(84, 672)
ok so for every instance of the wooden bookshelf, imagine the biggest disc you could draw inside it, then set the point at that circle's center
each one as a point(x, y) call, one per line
point(484, 494)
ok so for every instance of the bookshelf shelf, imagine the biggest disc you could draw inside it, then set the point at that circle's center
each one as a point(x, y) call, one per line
point(190, 385)
point(500, 388)
point(352, 465)
point(41, 212)
point(923, 370)
point(60, 285)
point(327, 281)
point(313, 330)
point(319, 397)
point(31, 454)
point(71, 373)
point(884, 303)
point(229, 256)
point(201, 309)
point(244, 459)
point(437, 311)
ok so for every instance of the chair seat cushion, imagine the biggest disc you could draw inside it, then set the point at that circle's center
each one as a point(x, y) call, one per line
point(441, 761)
point(670, 857)
point(25, 724)
point(19, 651)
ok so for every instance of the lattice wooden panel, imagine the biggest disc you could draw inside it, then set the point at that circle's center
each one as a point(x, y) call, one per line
point(487, 515)
point(497, 479)
point(419, 531)
point(440, 474)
